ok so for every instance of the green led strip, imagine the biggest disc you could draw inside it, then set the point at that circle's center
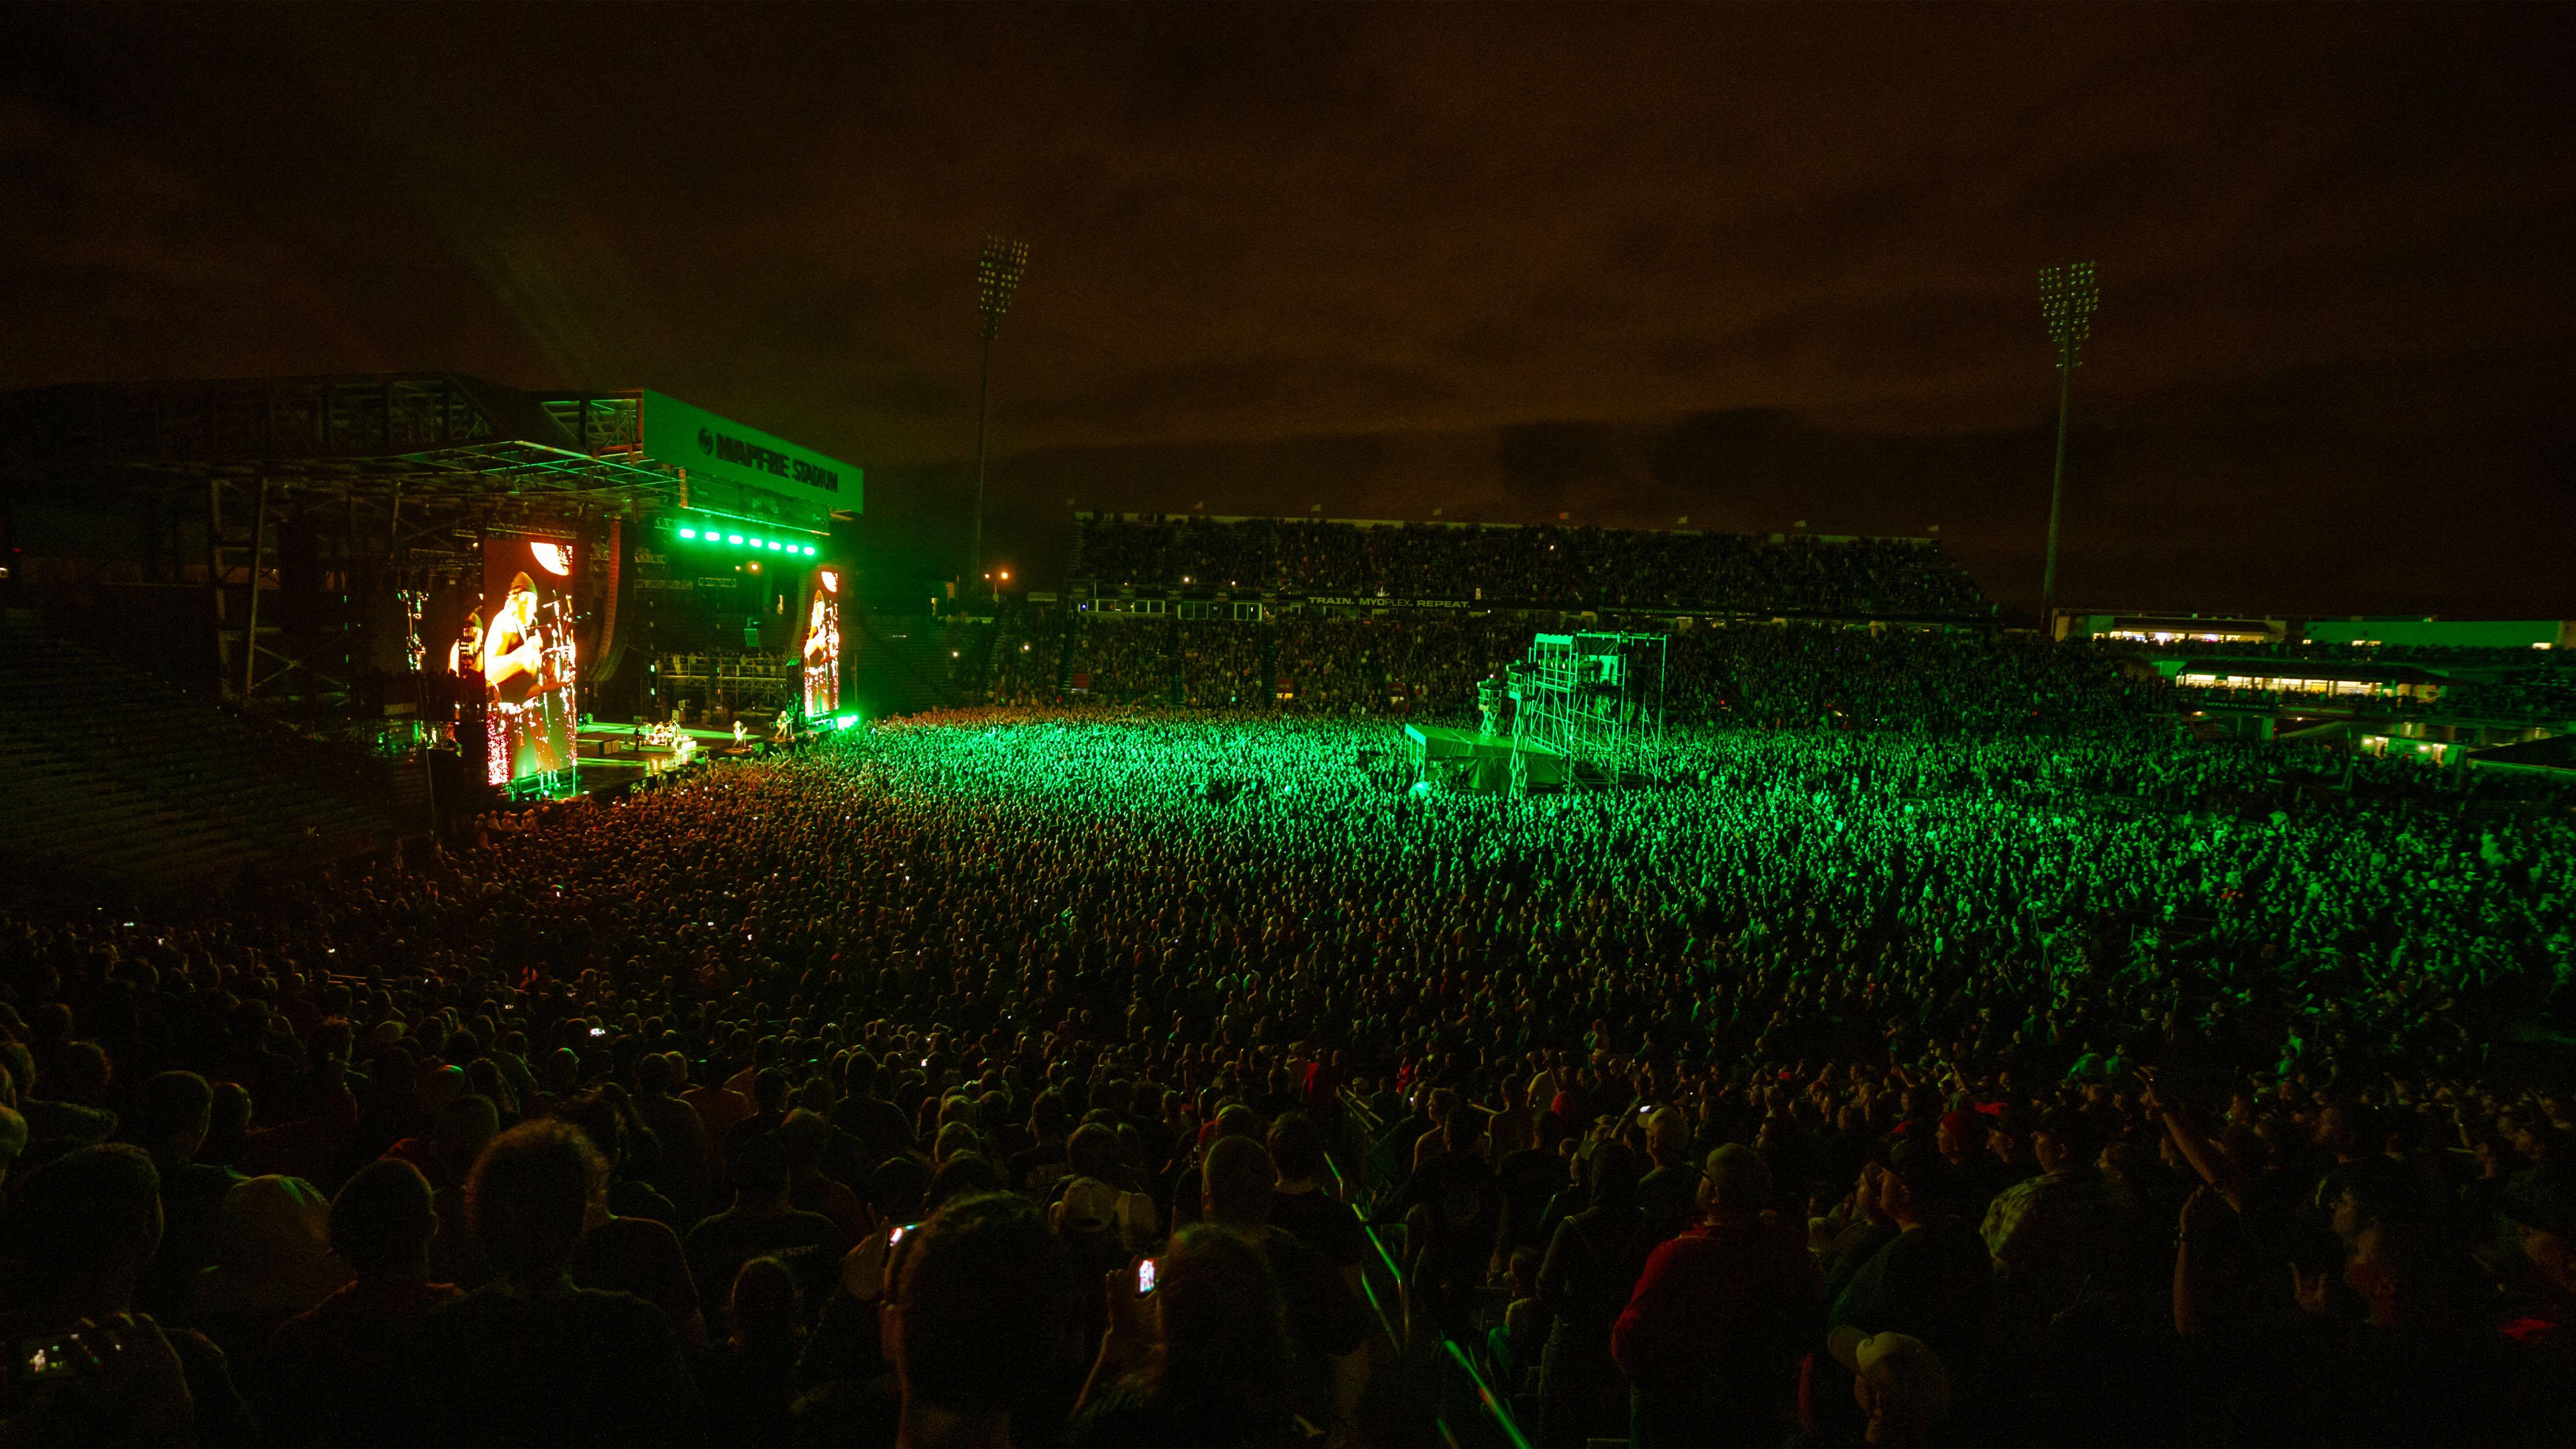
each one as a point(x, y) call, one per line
point(732, 536)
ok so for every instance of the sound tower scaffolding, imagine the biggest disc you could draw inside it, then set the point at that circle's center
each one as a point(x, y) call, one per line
point(1596, 700)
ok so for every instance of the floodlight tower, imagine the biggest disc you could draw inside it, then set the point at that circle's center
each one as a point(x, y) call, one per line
point(997, 276)
point(2066, 299)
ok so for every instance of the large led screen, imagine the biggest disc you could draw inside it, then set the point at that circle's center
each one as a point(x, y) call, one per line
point(823, 645)
point(527, 647)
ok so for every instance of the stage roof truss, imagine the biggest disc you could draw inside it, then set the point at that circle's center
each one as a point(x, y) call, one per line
point(433, 438)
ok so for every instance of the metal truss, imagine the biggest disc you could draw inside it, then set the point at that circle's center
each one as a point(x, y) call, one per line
point(1596, 699)
point(399, 474)
point(439, 439)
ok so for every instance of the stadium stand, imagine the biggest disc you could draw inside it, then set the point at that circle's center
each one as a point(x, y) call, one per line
point(1546, 566)
point(121, 773)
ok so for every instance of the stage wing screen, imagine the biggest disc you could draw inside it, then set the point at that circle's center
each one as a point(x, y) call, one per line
point(823, 645)
point(528, 667)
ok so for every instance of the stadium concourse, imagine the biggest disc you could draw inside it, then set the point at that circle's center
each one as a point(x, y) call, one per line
point(1944, 1043)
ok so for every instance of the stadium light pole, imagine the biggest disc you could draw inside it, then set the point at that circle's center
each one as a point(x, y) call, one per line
point(2066, 299)
point(997, 277)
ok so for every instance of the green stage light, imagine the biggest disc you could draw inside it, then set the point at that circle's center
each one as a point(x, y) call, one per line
point(733, 538)
point(844, 721)
point(775, 545)
point(809, 550)
point(688, 533)
point(755, 540)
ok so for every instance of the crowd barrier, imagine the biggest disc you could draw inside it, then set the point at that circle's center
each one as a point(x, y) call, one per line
point(1455, 1379)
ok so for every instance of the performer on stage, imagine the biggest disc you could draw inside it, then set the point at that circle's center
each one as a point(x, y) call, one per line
point(526, 677)
point(823, 653)
point(513, 657)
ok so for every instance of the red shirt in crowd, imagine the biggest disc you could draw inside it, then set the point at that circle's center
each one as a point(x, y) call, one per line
point(1720, 1313)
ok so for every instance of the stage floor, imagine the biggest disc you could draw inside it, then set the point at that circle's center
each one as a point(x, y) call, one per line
point(613, 757)
point(622, 732)
point(1469, 760)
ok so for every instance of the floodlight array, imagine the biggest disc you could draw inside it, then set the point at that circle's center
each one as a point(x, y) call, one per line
point(997, 277)
point(2067, 297)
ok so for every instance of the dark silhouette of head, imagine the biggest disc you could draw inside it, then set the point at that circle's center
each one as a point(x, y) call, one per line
point(1236, 1183)
point(981, 1304)
point(382, 1221)
point(528, 1196)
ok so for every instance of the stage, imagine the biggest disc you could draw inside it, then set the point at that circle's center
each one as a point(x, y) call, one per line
point(614, 758)
point(1460, 759)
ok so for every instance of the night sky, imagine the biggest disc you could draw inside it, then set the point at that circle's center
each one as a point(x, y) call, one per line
point(1746, 266)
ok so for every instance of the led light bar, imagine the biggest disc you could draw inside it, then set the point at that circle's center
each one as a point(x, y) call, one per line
point(707, 533)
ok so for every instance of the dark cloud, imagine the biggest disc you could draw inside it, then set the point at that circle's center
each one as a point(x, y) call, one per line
point(1748, 265)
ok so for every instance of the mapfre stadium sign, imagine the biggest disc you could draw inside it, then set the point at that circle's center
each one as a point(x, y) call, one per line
point(717, 451)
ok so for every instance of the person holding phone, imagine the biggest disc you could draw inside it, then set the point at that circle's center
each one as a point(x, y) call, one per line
point(1197, 1350)
point(983, 1298)
point(81, 1366)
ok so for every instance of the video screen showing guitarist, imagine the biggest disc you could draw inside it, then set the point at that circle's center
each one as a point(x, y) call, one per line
point(527, 658)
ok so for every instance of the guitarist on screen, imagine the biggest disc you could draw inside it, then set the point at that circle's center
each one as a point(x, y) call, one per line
point(513, 659)
point(519, 671)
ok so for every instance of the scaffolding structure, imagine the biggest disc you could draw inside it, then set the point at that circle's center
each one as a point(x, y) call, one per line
point(364, 485)
point(1593, 700)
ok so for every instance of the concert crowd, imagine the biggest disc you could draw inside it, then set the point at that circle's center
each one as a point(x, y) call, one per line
point(1944, 1047)
point(1429, 664)
point(1546, 566)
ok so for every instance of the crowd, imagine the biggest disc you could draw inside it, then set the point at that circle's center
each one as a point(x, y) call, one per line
point(1540, 566)
point(1903, 679)
point(1230, 553)
point(1844, 1083)
point(1428, 663)
point(1048, 656)
point(2539, 694)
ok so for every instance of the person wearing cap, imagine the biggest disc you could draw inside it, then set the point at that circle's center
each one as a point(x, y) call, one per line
point(2008, 1144)
point(1961, 1137)
point(1934, 1282)
point(1710, 1338)
point(2047, 1232)
point(1088, 1201)
point(2540, 1204)
point(1899, 1383)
